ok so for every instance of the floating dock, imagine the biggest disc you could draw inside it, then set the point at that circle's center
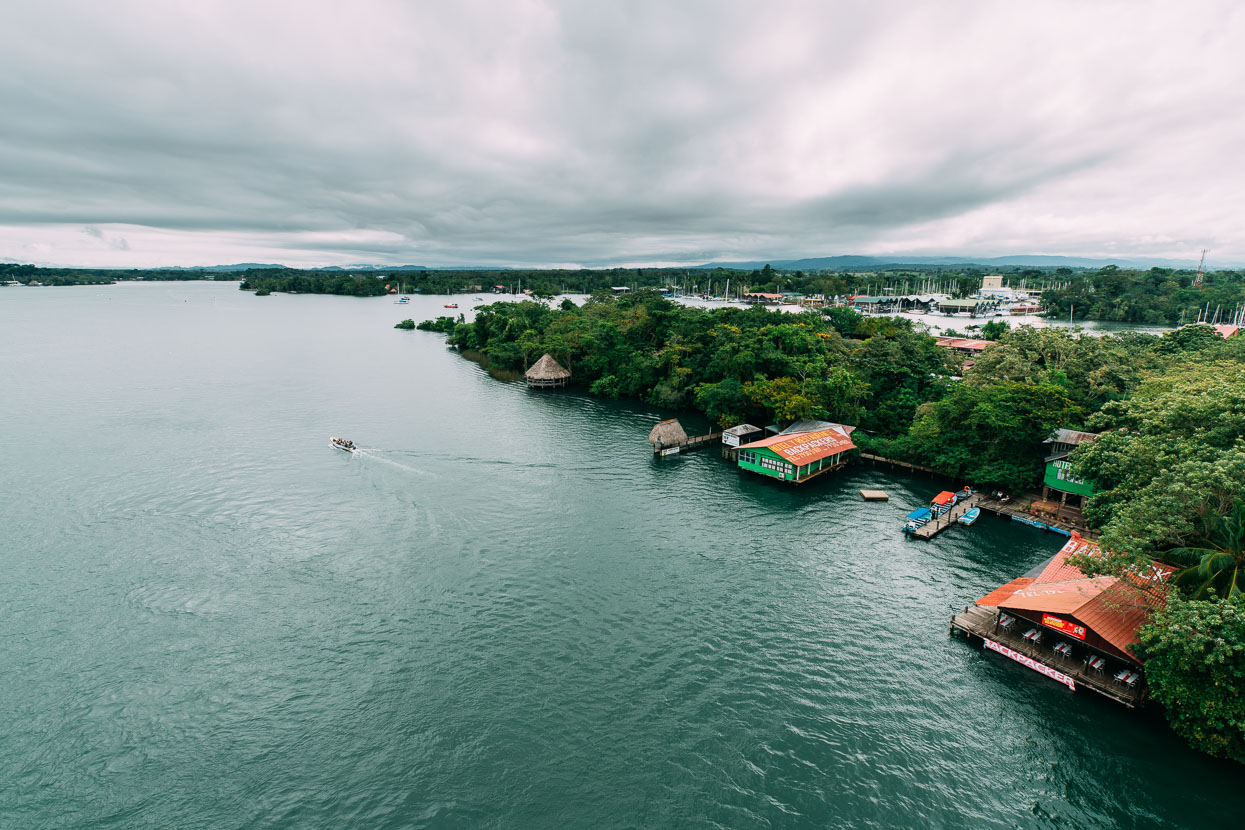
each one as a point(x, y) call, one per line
point(874, 495)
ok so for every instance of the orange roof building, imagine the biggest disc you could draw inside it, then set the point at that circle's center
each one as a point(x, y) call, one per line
point(797, 456)
point(1102, 612)
point(964, 344)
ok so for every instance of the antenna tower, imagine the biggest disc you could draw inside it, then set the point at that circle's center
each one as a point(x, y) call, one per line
point(1200, 270)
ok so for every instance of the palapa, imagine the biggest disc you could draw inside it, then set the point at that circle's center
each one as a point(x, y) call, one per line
point(668, 434)
point(547, 373)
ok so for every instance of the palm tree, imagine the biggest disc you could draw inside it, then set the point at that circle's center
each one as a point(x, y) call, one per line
point(1218, 561)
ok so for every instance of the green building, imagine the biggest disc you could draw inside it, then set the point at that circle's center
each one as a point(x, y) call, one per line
point(1058, 477)
point(796, 456)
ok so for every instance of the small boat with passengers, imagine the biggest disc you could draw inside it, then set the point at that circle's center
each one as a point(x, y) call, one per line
point(343, 444)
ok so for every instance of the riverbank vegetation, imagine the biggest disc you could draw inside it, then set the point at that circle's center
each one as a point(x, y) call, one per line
point(1170, 461)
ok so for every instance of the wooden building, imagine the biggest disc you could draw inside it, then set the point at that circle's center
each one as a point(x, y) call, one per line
point(797, 457)
point(1075, 629)
point(547, 373)
point(737, 435)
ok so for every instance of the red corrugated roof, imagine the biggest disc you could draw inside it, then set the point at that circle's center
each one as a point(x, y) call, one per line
point(944, 497)
point(1112, 608)
point(964, 343)
point(1000, 595)
point(1226, 331)
point(802, 448)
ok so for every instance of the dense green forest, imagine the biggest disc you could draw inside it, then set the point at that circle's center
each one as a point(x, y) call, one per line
point(1158, 296)
point(91, 276)
point(1171, 461)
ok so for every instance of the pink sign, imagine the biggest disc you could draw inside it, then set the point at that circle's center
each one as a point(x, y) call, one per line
point(1040, 668)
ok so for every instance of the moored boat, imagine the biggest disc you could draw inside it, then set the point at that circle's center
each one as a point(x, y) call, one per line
point(1025, 520)
point(342, 444)
point(451, 305)
point(969, 516)
point(916, 519)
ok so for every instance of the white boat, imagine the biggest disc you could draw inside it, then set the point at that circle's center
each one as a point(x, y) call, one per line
point(343, 444)
point(969, 516)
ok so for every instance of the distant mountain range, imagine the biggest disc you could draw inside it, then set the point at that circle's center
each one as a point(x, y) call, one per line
point(247, 266)
point(1033, 261)
point(824, 263)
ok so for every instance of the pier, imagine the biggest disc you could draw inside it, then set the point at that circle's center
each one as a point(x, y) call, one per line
point(696, 443)
point(940, 523)
point(1008, 509)
point(867, 456)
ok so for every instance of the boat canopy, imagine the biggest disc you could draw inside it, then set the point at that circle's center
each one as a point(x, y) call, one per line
point(923, 513)
point(945, 497)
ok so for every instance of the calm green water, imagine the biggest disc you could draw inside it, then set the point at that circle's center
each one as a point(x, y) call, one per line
point(503, 614)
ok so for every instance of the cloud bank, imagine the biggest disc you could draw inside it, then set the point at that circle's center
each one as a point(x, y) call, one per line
point(549, 133)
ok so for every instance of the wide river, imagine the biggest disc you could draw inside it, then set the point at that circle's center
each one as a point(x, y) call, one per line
point(503, 613)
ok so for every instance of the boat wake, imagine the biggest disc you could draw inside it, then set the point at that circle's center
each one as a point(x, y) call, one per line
point(373, 454)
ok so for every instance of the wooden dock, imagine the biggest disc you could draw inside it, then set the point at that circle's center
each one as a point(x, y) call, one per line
point(981, 623)
point(697, 443)
point(1055, 525)
point(940, 523)
point(877, 459)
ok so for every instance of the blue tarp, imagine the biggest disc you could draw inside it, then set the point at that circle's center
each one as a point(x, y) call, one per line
point(923, 513)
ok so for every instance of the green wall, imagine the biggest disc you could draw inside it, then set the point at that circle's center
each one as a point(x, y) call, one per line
point(771, 456)
point(1059, 478)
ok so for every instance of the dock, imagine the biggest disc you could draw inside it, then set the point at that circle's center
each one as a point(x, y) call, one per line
point(1009, 509)
point(981, 623)
point(940, 523)
point(903, 465)
point(696, 443)
point(874, 495)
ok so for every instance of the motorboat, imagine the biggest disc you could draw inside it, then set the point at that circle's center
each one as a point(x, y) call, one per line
point(451, 305)
point(969, 516)
point(917, 518)
point(343, 444)
point(402, 301)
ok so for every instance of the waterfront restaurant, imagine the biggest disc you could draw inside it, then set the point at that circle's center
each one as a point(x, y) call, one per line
point(1075, 629)
point(798, 456)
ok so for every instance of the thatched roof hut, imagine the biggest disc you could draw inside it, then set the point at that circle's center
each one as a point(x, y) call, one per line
point(547, 373)
point(667, 434)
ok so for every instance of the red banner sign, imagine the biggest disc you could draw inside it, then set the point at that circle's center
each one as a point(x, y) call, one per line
point(1040, 668)
point(1066, 626)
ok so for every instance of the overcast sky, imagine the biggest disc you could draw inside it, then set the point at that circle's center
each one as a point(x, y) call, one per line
point(307, 132)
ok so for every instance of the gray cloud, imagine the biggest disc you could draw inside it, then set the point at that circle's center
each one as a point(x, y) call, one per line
point(547, 133)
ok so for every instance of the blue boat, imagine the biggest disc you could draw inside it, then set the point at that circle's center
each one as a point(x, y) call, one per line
point(916, 519)
point(969, 516)
point(1025, 520)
